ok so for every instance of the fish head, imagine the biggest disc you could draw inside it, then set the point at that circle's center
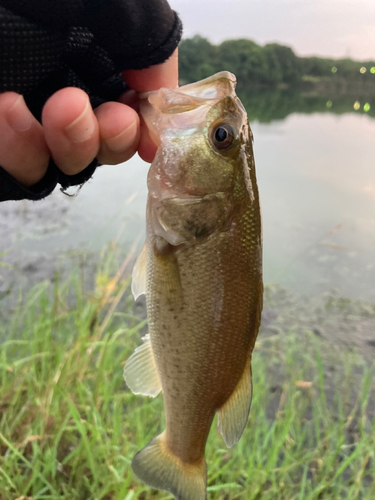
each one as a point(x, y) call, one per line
point(204, 140)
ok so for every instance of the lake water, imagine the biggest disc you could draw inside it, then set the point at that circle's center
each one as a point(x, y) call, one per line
point(316, 175)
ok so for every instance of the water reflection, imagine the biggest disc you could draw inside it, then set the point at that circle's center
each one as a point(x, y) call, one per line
point(265, 106)
point(315, 165)
point(316, 173)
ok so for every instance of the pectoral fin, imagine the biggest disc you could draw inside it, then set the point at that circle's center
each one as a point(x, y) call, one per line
point(140, 372)
point(233, 415)
point(139, 274)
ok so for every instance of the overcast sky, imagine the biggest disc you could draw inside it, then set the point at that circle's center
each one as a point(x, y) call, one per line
point(336, 28)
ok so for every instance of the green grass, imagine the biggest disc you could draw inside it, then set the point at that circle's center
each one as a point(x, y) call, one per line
point(69, 427)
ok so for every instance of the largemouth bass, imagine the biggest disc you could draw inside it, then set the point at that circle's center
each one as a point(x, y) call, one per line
point(201, 271)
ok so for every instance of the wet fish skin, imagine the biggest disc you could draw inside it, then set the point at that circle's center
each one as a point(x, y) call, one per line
point(203, 280)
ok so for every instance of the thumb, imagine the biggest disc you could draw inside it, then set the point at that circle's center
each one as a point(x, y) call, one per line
point(154, 77)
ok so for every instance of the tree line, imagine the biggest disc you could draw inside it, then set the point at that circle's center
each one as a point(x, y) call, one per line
point(269, 65)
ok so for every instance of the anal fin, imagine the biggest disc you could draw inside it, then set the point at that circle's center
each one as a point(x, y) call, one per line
point(233, 415)
point(140, 372)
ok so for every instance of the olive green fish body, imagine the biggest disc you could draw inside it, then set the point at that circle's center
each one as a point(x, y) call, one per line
point(203, 289)
point(203, 328)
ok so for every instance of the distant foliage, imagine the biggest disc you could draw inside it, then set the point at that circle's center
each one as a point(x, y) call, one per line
point(283, 60)
point(257, 66)
point(197, 59)
point(244, 58)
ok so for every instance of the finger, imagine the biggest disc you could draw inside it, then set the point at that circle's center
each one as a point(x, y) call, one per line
point(23, 150)
point(147, 148)
point(145, 80)
point(130, 98)
point(154, 77)
point(119, 132)
point(71, 130)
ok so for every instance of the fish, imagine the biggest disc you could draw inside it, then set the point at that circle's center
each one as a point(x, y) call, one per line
point(201, 272)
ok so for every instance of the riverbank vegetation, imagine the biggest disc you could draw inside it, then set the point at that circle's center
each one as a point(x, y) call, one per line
point(271, 65)
point(69, 427)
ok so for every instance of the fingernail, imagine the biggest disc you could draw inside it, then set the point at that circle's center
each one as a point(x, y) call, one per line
point(82, 127)
point(123, 140)
point(19, 118)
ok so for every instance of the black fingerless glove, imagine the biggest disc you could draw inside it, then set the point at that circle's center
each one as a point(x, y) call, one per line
point(46, 46)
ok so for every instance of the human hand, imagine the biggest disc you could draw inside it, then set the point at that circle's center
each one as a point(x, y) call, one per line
point(72, 133)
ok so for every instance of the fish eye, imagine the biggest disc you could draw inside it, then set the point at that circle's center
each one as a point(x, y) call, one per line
point(222, 136)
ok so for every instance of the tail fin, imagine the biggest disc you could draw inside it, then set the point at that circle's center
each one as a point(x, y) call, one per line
point(156, 466)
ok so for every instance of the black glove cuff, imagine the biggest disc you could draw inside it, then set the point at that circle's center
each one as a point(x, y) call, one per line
point(11, 189)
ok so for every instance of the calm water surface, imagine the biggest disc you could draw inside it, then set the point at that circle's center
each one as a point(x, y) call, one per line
point(316, 175)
